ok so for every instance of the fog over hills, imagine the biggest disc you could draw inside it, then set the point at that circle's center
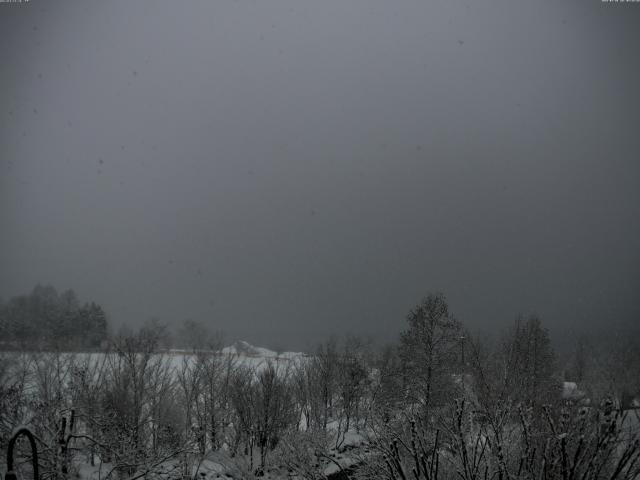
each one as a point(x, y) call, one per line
point(283, 171)
point(320, 239)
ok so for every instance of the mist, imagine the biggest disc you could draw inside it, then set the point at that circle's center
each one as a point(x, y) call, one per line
point(283, 171)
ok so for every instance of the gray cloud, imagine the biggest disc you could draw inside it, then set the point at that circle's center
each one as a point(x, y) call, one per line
point(284, 170)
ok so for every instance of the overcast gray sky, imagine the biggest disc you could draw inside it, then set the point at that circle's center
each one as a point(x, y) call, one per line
point(283, 170)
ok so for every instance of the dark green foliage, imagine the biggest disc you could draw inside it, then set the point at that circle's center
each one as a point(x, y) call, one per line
point(45, 318)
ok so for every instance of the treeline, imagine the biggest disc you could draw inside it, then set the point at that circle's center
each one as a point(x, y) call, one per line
point(45, 319)
point(439, 403)
point(465, 407)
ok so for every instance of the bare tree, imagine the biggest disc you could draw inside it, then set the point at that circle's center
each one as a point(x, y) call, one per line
point(274, 407)
point(136, 403)
point(353, 383)
point(430, 351)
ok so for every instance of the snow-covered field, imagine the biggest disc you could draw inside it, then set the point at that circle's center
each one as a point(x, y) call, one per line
point(241, 353)
point(218, 464)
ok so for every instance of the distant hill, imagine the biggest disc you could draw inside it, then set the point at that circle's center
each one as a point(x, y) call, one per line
point(245, 349)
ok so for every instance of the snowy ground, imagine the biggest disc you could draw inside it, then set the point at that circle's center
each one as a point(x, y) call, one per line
point(241, 353)
point(217, 465)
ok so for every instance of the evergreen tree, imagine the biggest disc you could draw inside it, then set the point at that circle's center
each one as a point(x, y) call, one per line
point(46, 318)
